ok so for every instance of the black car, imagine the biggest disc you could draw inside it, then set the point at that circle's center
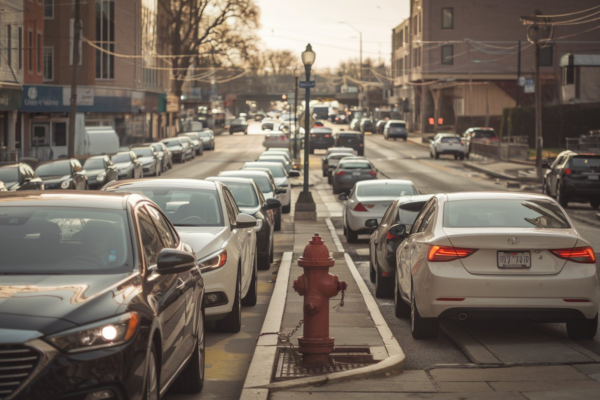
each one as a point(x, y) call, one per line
point(128, 165)
point(106, 301)
point(320, 138)
point(384, 241)
point(100, 170)
point(250, 200)
point(353, 139)
point(478, 134)
point(20, 176)
point(573, 177)
point(62, 174)
point(366, 125)
point(238, 125)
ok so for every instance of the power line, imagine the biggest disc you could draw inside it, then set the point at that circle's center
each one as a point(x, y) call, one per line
point(568, 14)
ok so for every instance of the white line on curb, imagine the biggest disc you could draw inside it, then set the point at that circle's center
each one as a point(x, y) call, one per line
point(336, 239)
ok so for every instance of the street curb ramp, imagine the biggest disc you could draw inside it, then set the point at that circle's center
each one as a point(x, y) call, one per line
point(258, 380)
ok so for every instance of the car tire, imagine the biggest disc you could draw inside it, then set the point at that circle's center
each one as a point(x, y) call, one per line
point(271, 255)
point(401, 309)
point(372, 273)
point(264, 262)
point(462, 157)
point(595, 204)
point(324, 174)
point(232, 323)
point(252, 296)
point(87, 187)
point(561, 197)
point(312, 151)
point(386, 138)
point(191, 379)
point(329, 179)
point(151, 388)
point(286, 209)
point(582, 329)
point(351, 236)
point(456, 157)
point(278, 222)
point(422, 328)
point(384, 286)
point(545, 188)
point(405, 139)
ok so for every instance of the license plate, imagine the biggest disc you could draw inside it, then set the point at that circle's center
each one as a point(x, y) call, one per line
point(514, 259)
point(356, 174)
point(593, 177)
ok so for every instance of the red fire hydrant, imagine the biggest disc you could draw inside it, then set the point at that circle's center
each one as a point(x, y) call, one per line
point(317, 286)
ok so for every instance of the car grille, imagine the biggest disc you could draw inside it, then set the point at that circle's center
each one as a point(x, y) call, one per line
point(17, 362)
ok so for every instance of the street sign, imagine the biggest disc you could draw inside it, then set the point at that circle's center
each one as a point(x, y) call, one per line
point(306, 84)
point(529, 85)
point(301, 120)
point(521, 81)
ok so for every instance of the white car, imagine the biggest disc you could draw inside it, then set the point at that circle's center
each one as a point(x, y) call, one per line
point(474, 255)
point(368, 201)
point(447, 144)
point(278, 158)
point(223, 239)
point(276, 139)
point(277, 150)
point(281, 179)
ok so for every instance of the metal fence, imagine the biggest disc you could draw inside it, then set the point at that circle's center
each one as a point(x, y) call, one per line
point(589, 143)
point(8, 155)
point(513, 148)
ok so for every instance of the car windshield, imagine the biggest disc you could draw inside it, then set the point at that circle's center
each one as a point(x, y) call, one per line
point(507, 213)
point(157, 147)
point(385, 190)
point(350, 135)
point(239, 122)
point(121, 158)
point(355, 165)
point(9, 174)
point(276, 169)
point(66, 241)
point(397, 125)
point(243, 194)
point(143, 152)
point(94, 163)
point(172, 143)
point(205, 134)
point(484, 133)
point(584, 163)
point(262, 181)
point(60, 168)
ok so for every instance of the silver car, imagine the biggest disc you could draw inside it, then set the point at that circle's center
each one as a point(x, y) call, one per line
point(278, 159)
point(352, 170)
point(196, 141)
point(151, 161)
point(281, 178)
point(208, 139)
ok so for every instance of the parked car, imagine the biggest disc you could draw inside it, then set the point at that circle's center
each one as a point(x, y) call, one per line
point(151, 161)
point(20, 176)
point(223, 241)
point(279, 153)
point(331, 162)
point(535, 264)
point(573, 177)
point(268, 124)
point(367, 203)
point(395, 129)
point(384, 241)
point(278, 158)
point(179, 150)
point(281, 178)
point(355, 124)
point(366, 125)
point(477, 133)
point(445, 144)
point(354, 140)
point(163, 152)
point(321, 139)
point(251, 201)
point(108, 287)
point(349, 171)
point(324, 160)
point(276, 140)
point(196, 141)
point(238, 125)
point(266, 183)
point(62, 174)
point(208, 139)
point(2, 187)
point(379, 125)
point(128, 166)
point(188, 147)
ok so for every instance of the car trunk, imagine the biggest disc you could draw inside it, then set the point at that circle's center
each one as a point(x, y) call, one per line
point(497, 255)
point(376, 205)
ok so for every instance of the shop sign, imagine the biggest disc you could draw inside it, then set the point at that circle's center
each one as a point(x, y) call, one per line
point(42, 98)
point(85, 96)
point(10, 99)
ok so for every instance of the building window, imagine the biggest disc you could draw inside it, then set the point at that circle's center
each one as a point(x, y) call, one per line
point(105, 39)
point(48, 63)
point(447, 18)
point(414, 25)
point(546, 56)
point(20, 50)
point(448, 54)
point(9, 45)
point(39, 53)
point(48, 9)
point(30, 51)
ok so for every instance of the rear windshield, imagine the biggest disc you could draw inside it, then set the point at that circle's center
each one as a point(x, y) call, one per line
point(585, 163)
point(157, 147)
point(243, 194)
point(450, 139)
point(54, 169)
point(355, 165)
point(504, 214)
point(205, 134)
point(384, 190)
point(338, 156)
point(349, 135)
point(121, 158)
point(191, 135)
point(276, 169)
point(238, 122)
point(398, 125)
point(484, 133)
point(143, 152)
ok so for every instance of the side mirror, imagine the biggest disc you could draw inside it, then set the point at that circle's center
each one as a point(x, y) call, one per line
point(172, 261)
point(243, 221)
point(398, 231)
point(371, 223)
point(294, 174)
point(545, 165)
point(343, 197)
point(272, 204)
point(280, 191)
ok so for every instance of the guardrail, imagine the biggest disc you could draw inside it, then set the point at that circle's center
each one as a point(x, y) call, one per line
point(514, 149)
point(584, 143)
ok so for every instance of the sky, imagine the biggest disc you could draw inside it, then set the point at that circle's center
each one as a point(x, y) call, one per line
point(291, 24)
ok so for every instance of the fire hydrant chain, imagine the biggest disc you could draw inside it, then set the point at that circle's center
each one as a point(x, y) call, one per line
point(281, 336)
point(341, 300)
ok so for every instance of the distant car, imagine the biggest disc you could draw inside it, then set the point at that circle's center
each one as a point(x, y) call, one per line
point(331, 162)
point(355, 140)
point(20, 176)
point(395, 129)
point(100, 170)
point(573, 177)
point(355, 124)
point(477, 133)
point(452, 145)
point(349, 171)
point(208, 139)
point(268, 124)
point(163, 153)
point(151, 162)
point(321, 138)
point(318, 124)
point(238, 125)
point(366, 125)
point(280, 175)
point(196, 141)
point(324, 160)
point(179, 151)
point(384, 241)
point(276, 139)
point(188, 147)
point(62, 174)
point(340, 119)
point(250, 200)
point(128, 165)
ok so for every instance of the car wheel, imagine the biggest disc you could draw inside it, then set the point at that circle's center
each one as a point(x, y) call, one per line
point(561, 197)
point(595, 204)
point(191, 379)
point(405, 139)
point(372, 273)
point(386, 138)
point(252, 295)
point(384, 286)
point(329, 179)
point(278, 222)
point(151, 389)
point(286, 209)
point(264, 262)
point(422, 328)
point(401, 309)
point(232, 323)
point(352, 236)
point(324, 174)
point(545, 188)
point(336, 190)
point(456, 157)
point(582, 329)
point(462, 157)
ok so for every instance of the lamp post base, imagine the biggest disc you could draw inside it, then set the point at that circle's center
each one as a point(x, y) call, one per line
point(306, 209)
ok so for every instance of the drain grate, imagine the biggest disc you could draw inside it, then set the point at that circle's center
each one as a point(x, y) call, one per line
point(289, 365)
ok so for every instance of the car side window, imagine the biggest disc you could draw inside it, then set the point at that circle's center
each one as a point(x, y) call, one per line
point(230, 206)
point(386, 219)
point(558, 161)
point(163, 227)
point(428, 218)
point(151, 241)
point(420, 217)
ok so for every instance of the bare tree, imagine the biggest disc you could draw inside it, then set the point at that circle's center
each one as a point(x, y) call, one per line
point(273, 62)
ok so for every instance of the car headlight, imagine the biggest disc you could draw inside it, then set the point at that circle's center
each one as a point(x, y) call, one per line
point(101, 177)
point(214, 261)
point(107, 333)
point(65, 184)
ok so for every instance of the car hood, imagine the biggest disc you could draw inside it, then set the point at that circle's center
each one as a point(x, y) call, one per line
point(146, 160)
point(204, 240)
point(250, 210)
point(55, 178)
point(281, 181)
point(51, 303)
point(124, 165)
point(93, 172)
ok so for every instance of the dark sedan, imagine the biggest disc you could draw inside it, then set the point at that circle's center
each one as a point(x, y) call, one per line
point(128, 165)
point(320, 138)
point(161, 149)
point(178, 149)
point(573, 177)
point(349, 171)
point(20, 177)
point(238, 125)
point(100, 170)
point(62, 174)
point(355, 140)
point(108, 306)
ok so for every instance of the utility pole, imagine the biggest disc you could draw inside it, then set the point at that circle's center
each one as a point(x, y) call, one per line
point(518, 74)
point(296, 130)
point(76, 57)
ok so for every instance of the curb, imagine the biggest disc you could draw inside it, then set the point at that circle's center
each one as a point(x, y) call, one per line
point(491, 173)
point(584, 220)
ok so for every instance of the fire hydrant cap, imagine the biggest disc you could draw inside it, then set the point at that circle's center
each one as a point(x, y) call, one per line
point(316, 254)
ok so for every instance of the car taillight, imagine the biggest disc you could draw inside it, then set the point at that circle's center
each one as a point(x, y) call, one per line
point(327, 136)
point(340, 173)
point(447, 253)
point(313, 135)
point(462, 143)
point(373, 173)
point(582, 255)
point(567, 171)
point(360, 207)
point(494, 138)
point(283, 138)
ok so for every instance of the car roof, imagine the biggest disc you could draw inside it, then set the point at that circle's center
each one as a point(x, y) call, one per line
point(399, 121)
point(9, 165)
point(385, 182)
point(140, 147)
point(104, 155)
point(414, 199)
point(340, 149)
point(169, 138)
point(230, 179)
point(257, 164)
point(163, 182)
point(494, 196)
point(74, 199)
point(243, 172)
point(321, 129)
point(66, 160)
point(275, 156)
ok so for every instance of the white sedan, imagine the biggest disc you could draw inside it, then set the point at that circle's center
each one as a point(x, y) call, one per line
point(447, 143)
point(503, 255)
point(368, 201)
point(281, 180)
point(207, 218)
